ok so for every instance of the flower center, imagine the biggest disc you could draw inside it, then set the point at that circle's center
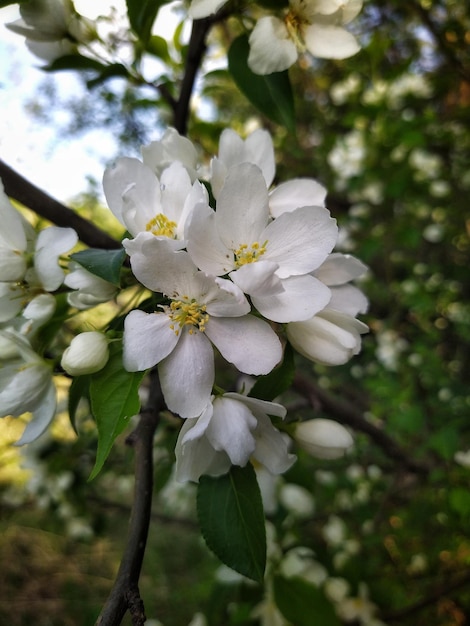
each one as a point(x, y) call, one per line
point(188, 314)
point(249, 253)
point(294, 24)
point(160, 225)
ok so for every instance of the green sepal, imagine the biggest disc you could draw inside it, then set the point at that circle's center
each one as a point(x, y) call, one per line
point(103, 263)
point(231, 517)
point(271, 93)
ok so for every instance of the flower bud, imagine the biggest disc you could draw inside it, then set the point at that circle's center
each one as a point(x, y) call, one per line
point(323, 438)
point(87, 353)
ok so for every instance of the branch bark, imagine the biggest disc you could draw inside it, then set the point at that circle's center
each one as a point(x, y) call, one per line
point(21, 190)
point(124, 595)
point(349, 415)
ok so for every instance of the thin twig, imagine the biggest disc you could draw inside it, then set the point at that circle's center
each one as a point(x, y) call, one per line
point(125, 592)
point(348, 414)
point(30, 196)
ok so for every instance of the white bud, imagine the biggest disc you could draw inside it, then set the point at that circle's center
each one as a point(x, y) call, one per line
point(87, 353)
point(323, 438)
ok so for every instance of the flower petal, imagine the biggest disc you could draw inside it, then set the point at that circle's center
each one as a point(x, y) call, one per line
point(50, 244)
point(242, 206)
point(148, 339)
point(296, 193)
point(300, 241)
point(41, 418)
point(272, 448)
point(271, 49)
point(339, 268)
point(204, 244)
point(303, 297)
point(258, 278)
point(247, 342)
point(348, 299)
point(330, 42)
point(195, 457)
point(230, 430)
point(187, 375)
point(204, 8)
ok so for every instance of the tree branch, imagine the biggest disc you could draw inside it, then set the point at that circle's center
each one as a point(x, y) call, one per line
point(20, 189)
point(125, 592)
point(347, 414)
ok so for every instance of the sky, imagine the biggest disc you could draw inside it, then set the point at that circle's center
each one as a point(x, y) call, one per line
point(29, 146)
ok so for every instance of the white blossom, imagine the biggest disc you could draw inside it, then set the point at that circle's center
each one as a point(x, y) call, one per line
point(87, 353)
point(315, 26)
point(323, 438)
point(230, 430)
point(269, 259)
point(26, 385)
point(89, 289)
point(202, 309)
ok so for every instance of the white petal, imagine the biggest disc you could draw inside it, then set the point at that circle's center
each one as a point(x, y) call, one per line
point(203, 8)
point(41, 418)
point(176, 187)
point(247, 342)
point(296, 193)
point(271, 49)
point(300, 241)
point(303, 296)
point(12, 233)
point(158, 155)
point(323, 438)
point(22, 387)
point(197, 456)
point(330, 42)
point(50, 244)
point(260, 151)
point(259, 407)
point(187, 375)
point(230, 430)
point(11, 301)
point(242, 206)
point(198, 425)
point(339, 268)
point(348, 299)
point(148, 339)
point(41, 308)
point(272, 448)
point(258, 278)
point(118, 177)
point(141, 202)
point(228, 300)
point(204, 244)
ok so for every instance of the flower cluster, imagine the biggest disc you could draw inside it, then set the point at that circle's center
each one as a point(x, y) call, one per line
point(240, 270)
point(314, 26)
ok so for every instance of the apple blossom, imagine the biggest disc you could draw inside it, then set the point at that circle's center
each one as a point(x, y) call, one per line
point(89, 289)
point(144, 203)
point(26, 385)
point(172, 147)
point(333, 336)
point(87, 353)
point(202, 309)
point(315, 26)
point(230, 430)
point(268, 259)
point(52, 28)
point(257, 149)
point(323, 438)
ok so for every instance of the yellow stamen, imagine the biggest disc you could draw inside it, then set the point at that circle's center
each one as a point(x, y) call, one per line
point(294, 24)
point(249, 254)
point(160, 225)
point(188, 314)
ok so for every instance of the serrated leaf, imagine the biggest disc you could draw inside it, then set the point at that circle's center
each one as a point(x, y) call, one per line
point(103, 263)
point(231, 517)
point(78, 389)
point(278, 380)
point(303, 604)
point(114, 400)
point(271, 94)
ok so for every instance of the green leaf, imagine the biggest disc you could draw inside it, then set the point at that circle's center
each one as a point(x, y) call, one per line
point(78, 389)
point(110, 71)
point(231, 516)
point(114, 400)
point(74, 62)
point(459, 500)
point(158, 47)
point(142, 14)
point(303, 604)
point(5, 3)
point(103, 263)
point(276, 382)
point(271, 93)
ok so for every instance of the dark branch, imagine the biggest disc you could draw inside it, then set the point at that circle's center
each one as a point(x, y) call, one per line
point(125, 592)
point(33, 198)
point(347, 414)
point(196, 50)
